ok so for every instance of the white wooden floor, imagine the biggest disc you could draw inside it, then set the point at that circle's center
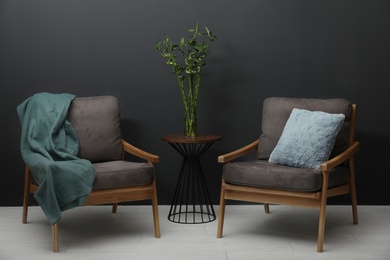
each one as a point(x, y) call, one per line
point(286, 233)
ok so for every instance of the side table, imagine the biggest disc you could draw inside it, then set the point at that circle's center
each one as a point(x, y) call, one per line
point(191, 202)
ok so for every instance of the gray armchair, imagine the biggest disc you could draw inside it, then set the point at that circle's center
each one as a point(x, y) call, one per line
point(282, 174)
point(96, 121)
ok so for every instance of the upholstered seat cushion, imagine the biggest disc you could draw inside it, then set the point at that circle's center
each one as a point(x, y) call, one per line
point(116, 174)
point(263, 174)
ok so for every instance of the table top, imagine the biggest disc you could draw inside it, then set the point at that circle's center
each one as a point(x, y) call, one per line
point(181, 138)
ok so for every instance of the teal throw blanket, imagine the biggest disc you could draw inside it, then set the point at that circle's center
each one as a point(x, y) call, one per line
point(49, 147)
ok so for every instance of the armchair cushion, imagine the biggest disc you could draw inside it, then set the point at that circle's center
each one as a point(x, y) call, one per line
point(263, 174)
point(96, 121)
point(116, 174)
point(307, 139)
point(277, 110)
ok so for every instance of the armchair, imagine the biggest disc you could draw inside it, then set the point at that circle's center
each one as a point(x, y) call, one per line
point(96, 123)
point(268, 180)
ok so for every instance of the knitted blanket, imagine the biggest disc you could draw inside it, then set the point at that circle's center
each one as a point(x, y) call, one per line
point(49, 147)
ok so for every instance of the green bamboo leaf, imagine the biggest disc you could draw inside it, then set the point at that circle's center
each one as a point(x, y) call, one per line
point(208, 32)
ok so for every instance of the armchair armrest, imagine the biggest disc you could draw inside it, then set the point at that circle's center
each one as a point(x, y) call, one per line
point(139, 153)
point(337, 160)
point(225, 158)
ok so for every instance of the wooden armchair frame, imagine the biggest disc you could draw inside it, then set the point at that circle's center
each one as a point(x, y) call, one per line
point(291, 198)
point(107, 196)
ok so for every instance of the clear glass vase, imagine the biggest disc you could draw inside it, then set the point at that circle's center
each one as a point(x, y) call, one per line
point(190, 126)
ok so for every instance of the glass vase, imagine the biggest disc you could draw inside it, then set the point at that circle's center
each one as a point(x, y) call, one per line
point(190, 126)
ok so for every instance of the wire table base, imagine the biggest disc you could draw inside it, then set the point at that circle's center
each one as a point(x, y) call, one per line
point(191, 203)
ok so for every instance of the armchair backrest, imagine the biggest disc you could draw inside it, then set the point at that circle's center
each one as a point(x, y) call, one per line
point(276, 111)
point(96, 121)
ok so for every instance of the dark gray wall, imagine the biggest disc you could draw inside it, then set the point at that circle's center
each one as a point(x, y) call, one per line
point(297, 48)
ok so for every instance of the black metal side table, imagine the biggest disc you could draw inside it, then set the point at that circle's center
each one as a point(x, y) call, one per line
point(191, 202)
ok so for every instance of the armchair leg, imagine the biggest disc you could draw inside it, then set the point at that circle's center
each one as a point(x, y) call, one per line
point(221, 218)
point(321, 230)
point(156, 218)
point(266, 208)
point(26, 195)
point(352, 183)
point(114, 207)
point(321, 224)
point(354, 209)
point(54, 236)
point(25, 208)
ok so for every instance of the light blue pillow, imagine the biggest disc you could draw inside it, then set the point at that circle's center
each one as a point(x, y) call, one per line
point(307, 139)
